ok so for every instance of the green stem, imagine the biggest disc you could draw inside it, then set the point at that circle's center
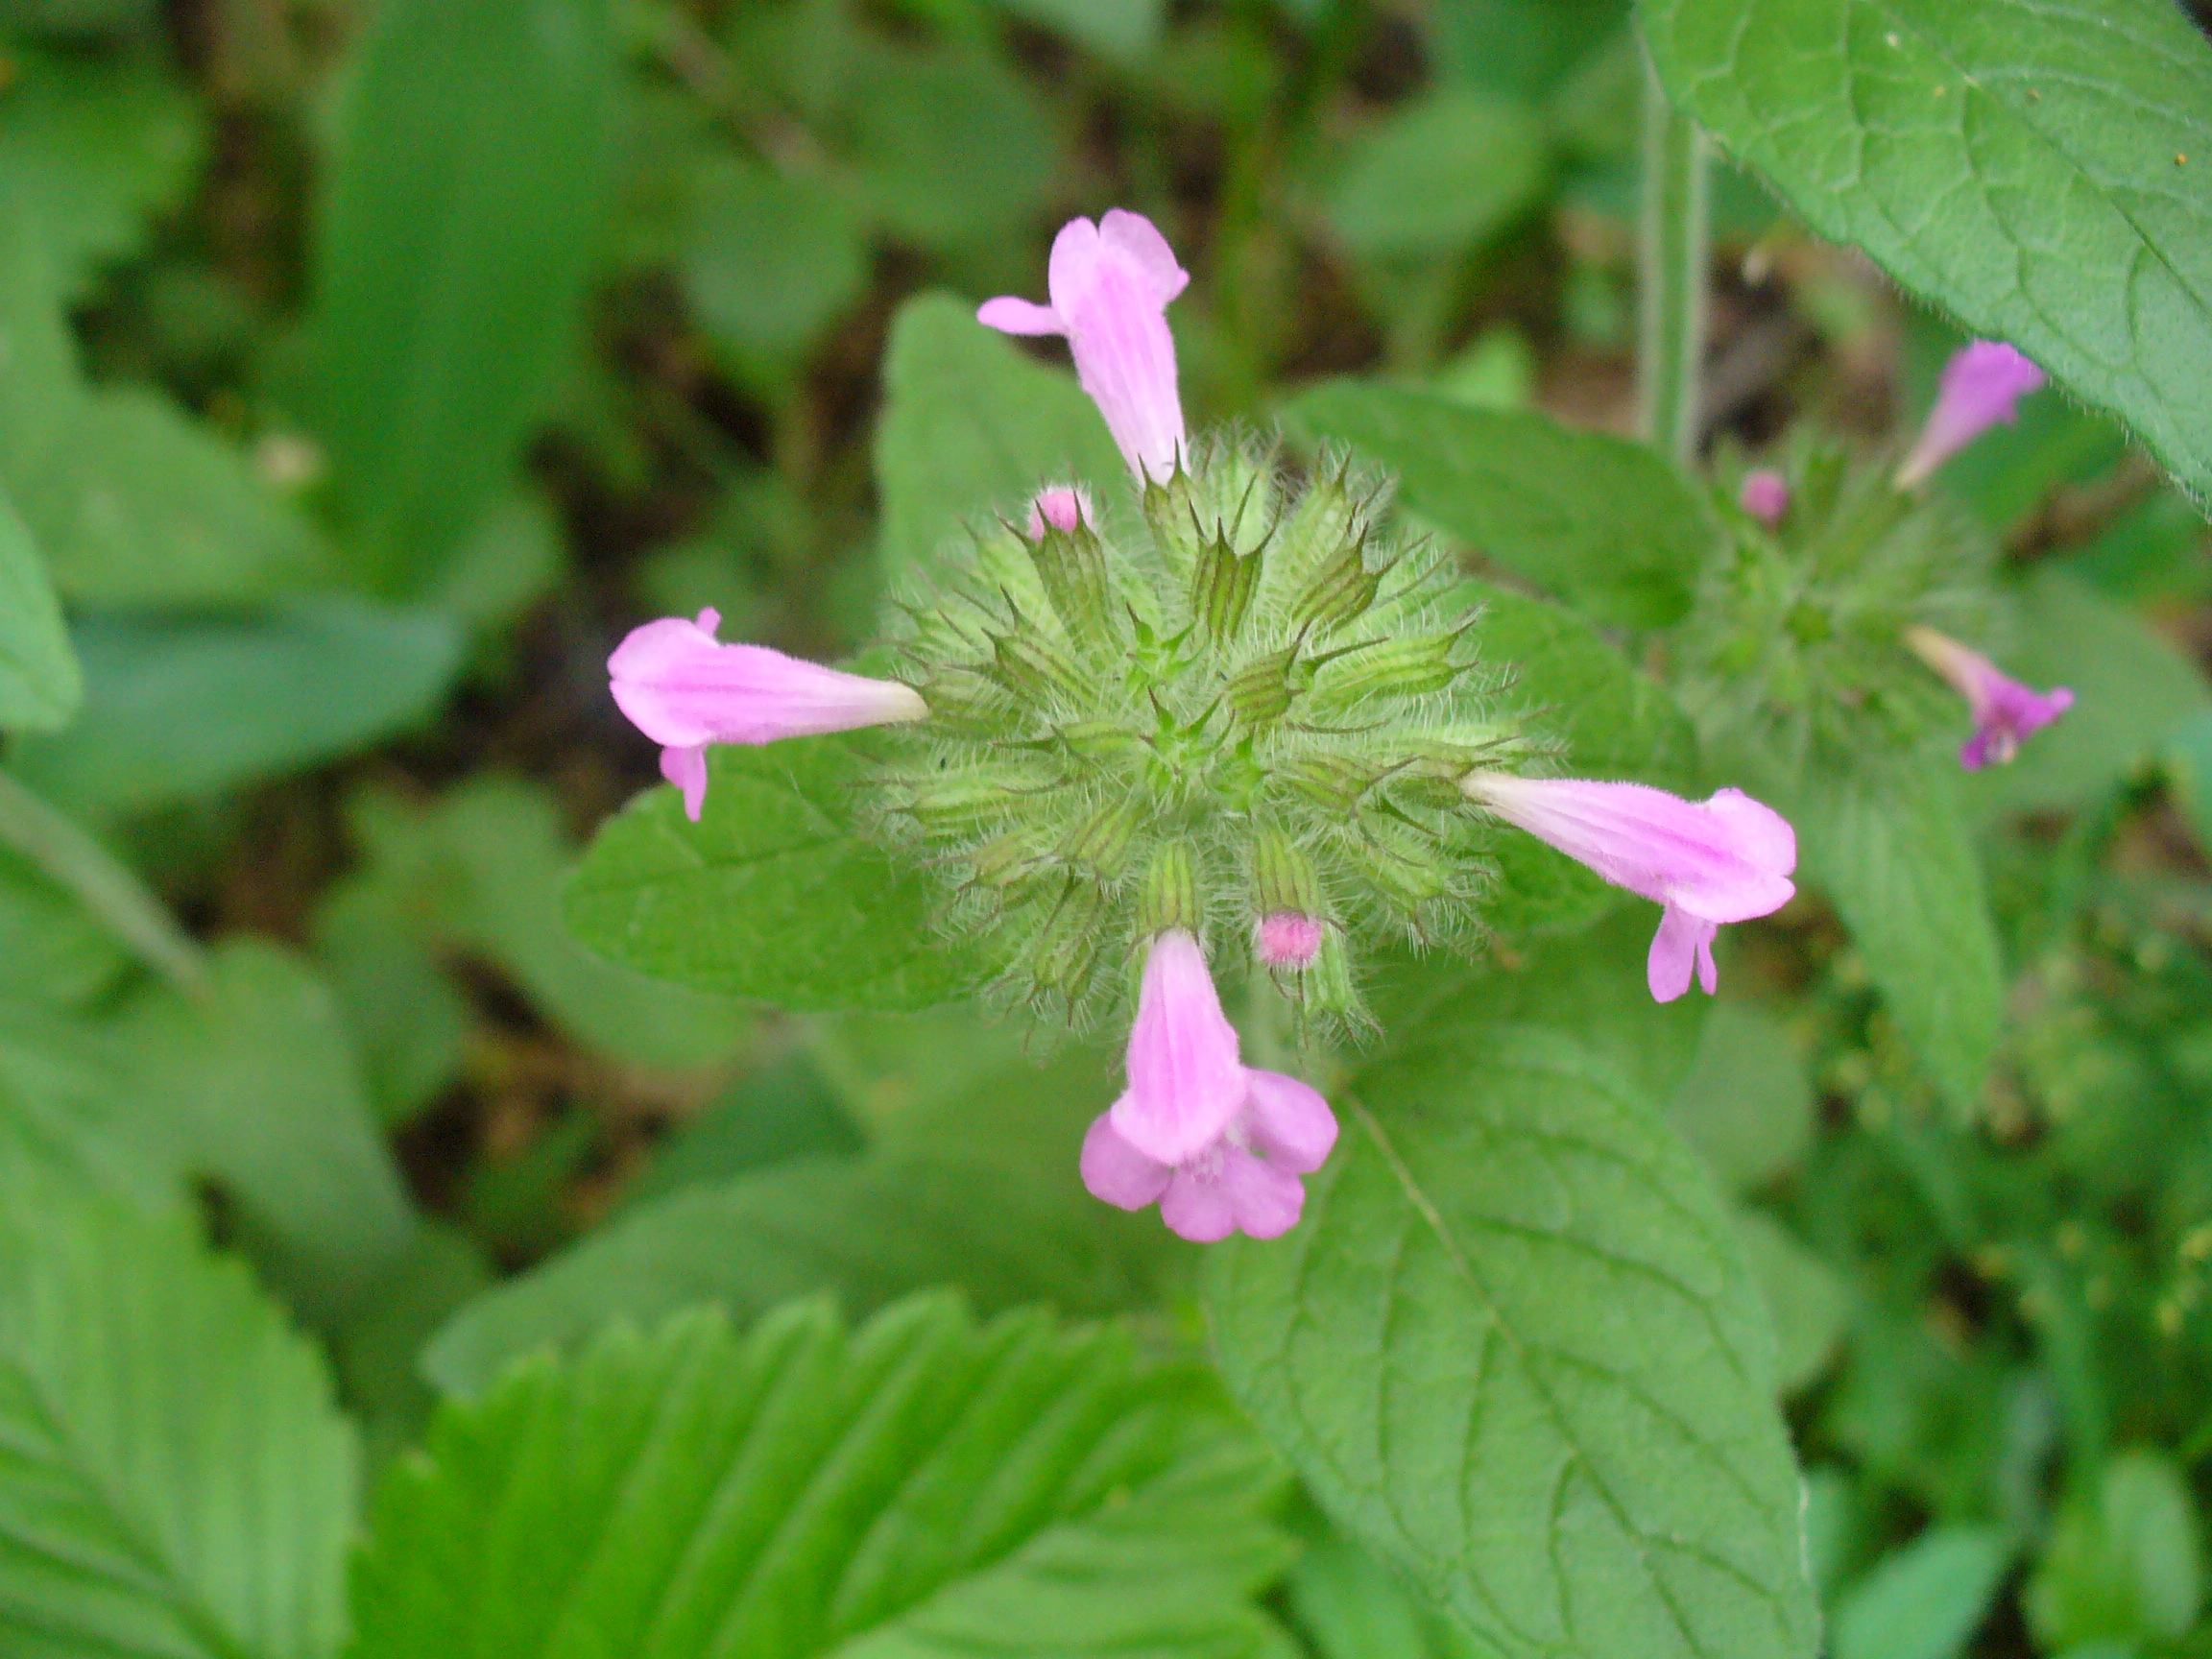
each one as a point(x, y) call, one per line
point(75, 861)
point(1671, 255)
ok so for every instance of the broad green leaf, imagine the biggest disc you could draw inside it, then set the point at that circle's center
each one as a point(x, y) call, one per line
point(1925, 1600)
point(2123, 1562)
point(451, 252)
point(769, 262)
point(376, 1351)
point(1605, 524)
point(1893, 852)
point(923, 1486)
point(53, 951)
point(1518, 47)
point(783, 1112)
point(41, 684)
point(63, 1105)
point(255, 1086)
point(1513, 1347)
point(1438, 175)
point(181, 707)
point(982, 1193)
point(2038, 169)
point(773, 895)
point(2131, 687)
point(1804, 1303)
point(1350, 1606)
point(1118, 28)
point(176, 1485)
point(1746, 1103)
point(969, 426)
point(408, 1019)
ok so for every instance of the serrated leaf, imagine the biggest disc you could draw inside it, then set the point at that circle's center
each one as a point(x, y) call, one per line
point(1514, 1348)
point(176, 1483)
point(41, 684)
point(969, 426)
point(921, 1486)
point(453, 246)
point(2037, 169)
point(1439, 174)
point(1603, 523)
point(772, 895)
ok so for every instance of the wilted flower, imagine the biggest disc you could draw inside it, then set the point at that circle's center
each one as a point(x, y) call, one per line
point(1765, 494)
point(685, 690)
point(1218, 1145)
point(1982, 387)
point(1726, 860)
point(2005, 713)
point(1060, 507)
point(1110, 284)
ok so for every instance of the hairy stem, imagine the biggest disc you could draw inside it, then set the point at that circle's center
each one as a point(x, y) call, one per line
point(1671, 255)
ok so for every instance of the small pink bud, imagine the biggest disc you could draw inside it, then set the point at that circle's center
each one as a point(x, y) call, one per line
point(1062, 506)
point(2005, 713)
point(1982, 387)
point(1289, 940)
point(1765, 495)
point(1110, 284)
point(685, 690)
point(1726, 860)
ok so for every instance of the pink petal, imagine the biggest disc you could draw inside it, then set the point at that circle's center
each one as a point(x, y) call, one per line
point(1765, 494)
point(1116, 1172)
point(1012, 316)
point(1185, 1081)
point(1265, 1200)
point(1135, 240)
point(1199, 1209)
point(1288, 1121)
point(686, 769)
point(1982, 387)
point(1062, 506)
point(1289, 940)
point(681, 689)
point(2005, 713)
point(1683, 942)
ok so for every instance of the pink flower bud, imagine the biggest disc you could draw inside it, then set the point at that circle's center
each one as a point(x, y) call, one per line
point(1061, 506)
point(1110, 284)
point(1217, 1146)
point(1765, 494)
point(1289, 940)
point(685, 690)
point(1982, 386)
point(1726, 860)
point(2005, 711)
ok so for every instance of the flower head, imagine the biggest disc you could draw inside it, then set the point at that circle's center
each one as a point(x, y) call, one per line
point(1288, 939)
point(1060, 507)
point(1219, 1146)
point(1110, 284)
point(1982, 387)
point(2005, 713)
point(1765, 494)
point(1726, 860)
point(685, 690)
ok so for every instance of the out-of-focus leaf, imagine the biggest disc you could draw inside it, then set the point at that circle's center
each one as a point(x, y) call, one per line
point(40, 682)
point(1606, 524)
point(1438, 175)
point(1925, 1600)
point(177, 1484)
point(971, 427)
point(950, 146)
point(769, 264)
point(1349, 1606)
point(408, 1019)
point(1746, 1103)
point(1118, 28)
point(2124, 1563)
point(53, 952)
point(2157, 549)
point(921, 1486)
point(515, 556)
point(1806, 1304)
point(1518, 47)
point(451, 252)
point(770, 1117)
point(1513, 1347)
point(774, 895)
point(181, 707)
point(2064, 146)
point(378, 1351)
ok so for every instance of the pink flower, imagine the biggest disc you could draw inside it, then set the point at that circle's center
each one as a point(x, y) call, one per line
point(1216, 1144)
point(1062, 506)
point(1289, 940)
point(685, 690)
point(1727, 859)
point(2005, 713)
point(1982, 386)
point(1765, 494)
point(1110, 284)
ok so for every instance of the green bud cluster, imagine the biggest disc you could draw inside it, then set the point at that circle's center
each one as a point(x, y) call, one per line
point(1250, 698)
point(1794, 652)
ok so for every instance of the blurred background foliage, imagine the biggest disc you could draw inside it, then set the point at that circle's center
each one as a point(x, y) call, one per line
point(366, 370)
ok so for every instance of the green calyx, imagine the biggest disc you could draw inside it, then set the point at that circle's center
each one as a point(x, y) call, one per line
point(1251, 698)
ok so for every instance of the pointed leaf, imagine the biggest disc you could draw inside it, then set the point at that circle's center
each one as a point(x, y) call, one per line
point(41, 684)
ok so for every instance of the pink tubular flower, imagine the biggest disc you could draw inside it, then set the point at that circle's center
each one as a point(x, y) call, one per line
point(1289, 940)
point(1727, 859)
point(685, 690)
point(1765, 494)
point(2005, 713)
point(1982, 386)
point(1110, 284)
point(1061, 506)
point(1216, 1144)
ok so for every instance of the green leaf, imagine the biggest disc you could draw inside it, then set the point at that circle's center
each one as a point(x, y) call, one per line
point(452, 250)
point(1925, 1600)
point(41, 684)
point(2123, 1562)
point(1894, 854)
point(1520, 46)
point(783, 1112)
point(1746, 1103)
point(951, 150)
point(53, 951)
point(969, 426)
point(1514, 1348)
point(1605, 524)
point(176, 1485)
point(176, 709)
point(1124, 30)
point(1806, 1304)
point(1350, 1606)
point(921, 1486)
point(772, 895)
point(2038, 170)
point(1438, 175)
point(769, 264)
